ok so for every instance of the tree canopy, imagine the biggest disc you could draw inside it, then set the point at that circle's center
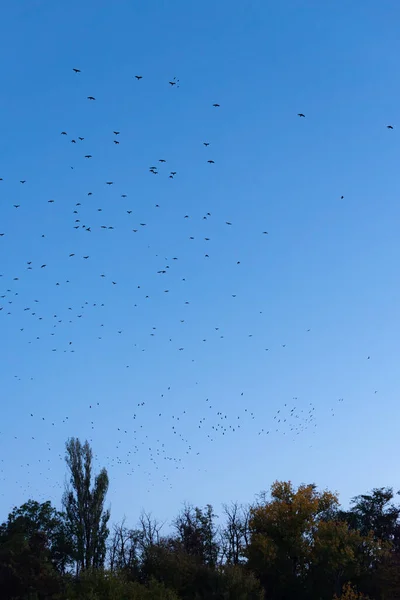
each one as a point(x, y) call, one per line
point(289, 543)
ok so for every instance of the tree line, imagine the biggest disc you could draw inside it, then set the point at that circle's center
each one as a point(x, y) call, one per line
point(289, 543)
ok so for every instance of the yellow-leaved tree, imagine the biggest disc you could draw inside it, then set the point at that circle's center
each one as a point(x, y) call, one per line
point(300, 548)
point(350, 592)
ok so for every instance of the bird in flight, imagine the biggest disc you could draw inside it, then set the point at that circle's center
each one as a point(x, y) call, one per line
point(23, 181)
point(109, 182)
point(88, 156)
point(300, 115)
point(216, 105)
point(211, 162)
point(206, 143)
point(172, 82)
point(138, 77)
point(63, 133)
point(389, 126)
point(91, 98)
point(81, 139)
point(77, 70)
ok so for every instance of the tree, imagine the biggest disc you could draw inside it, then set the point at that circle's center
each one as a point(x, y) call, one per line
point(301, 547)
point(198, 534)
point(376, 515)
point(350, 592)
point(103, 585)
point(375, 512)
point(125, 550)
point(339, 555)
point(33, 551)
point(84, 506)
point(235, 533)
point(282, 531)
point(193, 580)
point(34, 518)
point(150, 529)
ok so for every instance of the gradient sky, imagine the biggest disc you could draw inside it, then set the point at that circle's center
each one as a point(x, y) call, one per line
point(328, 265)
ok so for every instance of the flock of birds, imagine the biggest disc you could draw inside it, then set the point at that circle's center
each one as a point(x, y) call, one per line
point(48, 323)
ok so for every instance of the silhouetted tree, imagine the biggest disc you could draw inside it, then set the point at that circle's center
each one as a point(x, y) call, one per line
point(197, 533)
point(375, 512)
point(84, 506)
point(34, 518)
point(34, 552)
point(125, 549)
point(235, 534)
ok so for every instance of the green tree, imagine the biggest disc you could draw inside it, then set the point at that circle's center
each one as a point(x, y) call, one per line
point(84, 507)
point(169, 563)
point(105, 585)
point(34, 518)
point(339, 555)
point(376, 515)
point(375, 512)
point(32, 548)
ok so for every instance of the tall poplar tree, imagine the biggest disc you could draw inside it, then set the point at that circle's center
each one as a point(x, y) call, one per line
point(84, 506)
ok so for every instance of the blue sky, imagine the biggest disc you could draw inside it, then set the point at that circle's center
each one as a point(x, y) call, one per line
point(328, 265)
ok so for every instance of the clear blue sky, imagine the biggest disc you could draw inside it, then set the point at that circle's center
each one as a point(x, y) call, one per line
point(328, 265)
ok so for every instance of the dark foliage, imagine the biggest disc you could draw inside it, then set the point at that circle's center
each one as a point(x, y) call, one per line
point(291, 543)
